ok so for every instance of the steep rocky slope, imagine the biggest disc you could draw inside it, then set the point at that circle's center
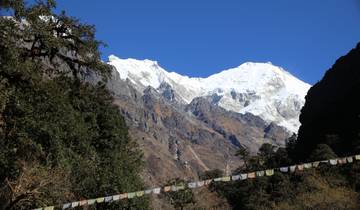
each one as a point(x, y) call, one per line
point(331, 114)
point(181, 140)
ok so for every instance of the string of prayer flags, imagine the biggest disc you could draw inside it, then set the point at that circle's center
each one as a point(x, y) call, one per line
point(191, 185)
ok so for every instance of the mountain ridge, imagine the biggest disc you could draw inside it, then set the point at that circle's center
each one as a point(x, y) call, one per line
point(262, 89)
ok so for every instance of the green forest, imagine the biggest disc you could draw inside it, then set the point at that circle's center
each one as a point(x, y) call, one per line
point(62, 138)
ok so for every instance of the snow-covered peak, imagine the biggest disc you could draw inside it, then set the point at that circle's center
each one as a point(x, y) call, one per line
point(262, 89)
point(142, 72)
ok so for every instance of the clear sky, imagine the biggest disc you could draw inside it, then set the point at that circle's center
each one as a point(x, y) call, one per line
point(202, 37)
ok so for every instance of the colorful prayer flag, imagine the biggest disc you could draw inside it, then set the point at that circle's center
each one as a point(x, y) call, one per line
point(217, 179)
point(342, 160)
point(315, 164)
point(74, 204)
point(208, 181)
point(292, 168)
point(100, 200)
point(260, 173)
point(235, 177)
point(157, 190)
point(284, 169)
point(149, 191)
point(307, 165)
point(300, 167)
point(357, 157)
point(82, 202)
point(226, 178)
point(349, 159)
point(192, 185)
point(269, 172)
point(123, 196)
point(333, 161)
point(167, 188)
point(243, 176)
point(116, 197)
point(66, 206)
point(200, 183)
point(91, 201)
point(251, 175)
point(140, 193)
point(108, 199)
point(131, 195)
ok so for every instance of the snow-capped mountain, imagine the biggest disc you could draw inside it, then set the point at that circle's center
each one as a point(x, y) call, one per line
point(262, 89)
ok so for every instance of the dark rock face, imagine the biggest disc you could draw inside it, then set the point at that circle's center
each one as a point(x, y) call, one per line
point(331, 114)
point(166, 91)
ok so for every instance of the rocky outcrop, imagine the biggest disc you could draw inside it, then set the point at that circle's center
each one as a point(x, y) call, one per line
point(331, 114)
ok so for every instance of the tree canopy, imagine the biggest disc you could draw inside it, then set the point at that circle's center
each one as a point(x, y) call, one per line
point(61, 137)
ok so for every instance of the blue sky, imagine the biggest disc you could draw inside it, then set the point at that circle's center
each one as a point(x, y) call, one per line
point(202, 37)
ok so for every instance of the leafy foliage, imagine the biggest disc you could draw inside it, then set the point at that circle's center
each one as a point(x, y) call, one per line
point(61, 138)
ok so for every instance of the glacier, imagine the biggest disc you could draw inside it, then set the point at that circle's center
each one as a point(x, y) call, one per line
point(263, 89)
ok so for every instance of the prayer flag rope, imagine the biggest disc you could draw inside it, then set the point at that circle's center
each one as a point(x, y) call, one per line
point(201, 183)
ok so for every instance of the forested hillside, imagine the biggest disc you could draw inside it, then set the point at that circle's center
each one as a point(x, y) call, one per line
point(61, 138)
